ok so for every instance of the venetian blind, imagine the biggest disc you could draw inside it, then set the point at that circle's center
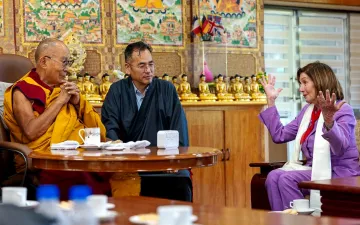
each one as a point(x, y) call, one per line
point(323, 37)
point(355, 60)
point(279, 55)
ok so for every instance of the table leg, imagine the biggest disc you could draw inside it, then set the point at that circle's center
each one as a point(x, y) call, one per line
point(125, 184)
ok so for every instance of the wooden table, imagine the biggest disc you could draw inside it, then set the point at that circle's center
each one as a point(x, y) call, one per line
point(98, 161)
point(235, 128)
point(213, 215)
point(340, 196)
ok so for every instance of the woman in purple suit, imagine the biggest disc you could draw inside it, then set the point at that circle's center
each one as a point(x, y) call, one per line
point(324, 131)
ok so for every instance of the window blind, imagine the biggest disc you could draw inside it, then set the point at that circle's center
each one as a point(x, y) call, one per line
point(323, 37)
point(354, 60)
point(278, 54)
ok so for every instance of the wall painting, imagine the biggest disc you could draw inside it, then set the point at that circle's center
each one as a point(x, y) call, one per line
point(54, 18)
point(157, 22)
point(233, 21)
point(2, 33)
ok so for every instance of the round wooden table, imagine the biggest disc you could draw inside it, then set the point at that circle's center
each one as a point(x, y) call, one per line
point(104, 161)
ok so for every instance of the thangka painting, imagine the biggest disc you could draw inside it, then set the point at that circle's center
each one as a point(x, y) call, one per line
point(54, 18)
point(2, 33)
point(157, 22)
point(229, 22)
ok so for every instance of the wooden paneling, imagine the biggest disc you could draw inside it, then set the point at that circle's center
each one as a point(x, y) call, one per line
point(330, 2)
point(244, 138)
point(233, 127)
point(206, 128)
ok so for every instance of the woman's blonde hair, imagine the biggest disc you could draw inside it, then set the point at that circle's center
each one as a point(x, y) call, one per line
point(323, 77)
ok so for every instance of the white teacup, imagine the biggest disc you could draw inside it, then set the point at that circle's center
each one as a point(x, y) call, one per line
point(14, 195)
point(92, 136)
point(300, 204)
point(98, 204)
point(175, 215)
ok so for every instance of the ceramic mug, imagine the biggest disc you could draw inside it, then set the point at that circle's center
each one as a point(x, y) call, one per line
point(14, 195)
point(300, 204)
point(175, 214)
point(92, 136)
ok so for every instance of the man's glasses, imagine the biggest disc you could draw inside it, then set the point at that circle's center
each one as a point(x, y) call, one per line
point(145, 66)
point(65, 63)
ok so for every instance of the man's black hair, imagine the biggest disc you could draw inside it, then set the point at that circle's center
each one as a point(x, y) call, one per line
point(137, 46)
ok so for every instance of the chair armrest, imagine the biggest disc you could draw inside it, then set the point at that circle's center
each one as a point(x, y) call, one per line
point(266, 167)
point(18, 148)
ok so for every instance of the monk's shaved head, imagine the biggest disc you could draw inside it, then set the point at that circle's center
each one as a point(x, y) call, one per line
point(46, 46)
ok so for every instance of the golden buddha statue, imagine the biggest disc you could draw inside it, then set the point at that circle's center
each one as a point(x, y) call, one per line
point(256, 95)
point(80, 83)
point(88, 86)
point(242, 80)
point(204, 90)
point(175, 83)
point(166, 77)
point(77, 53)
point(96, 86)
point(247, 85)
point(185, 90)
point(231, 85)
point(221, 90)
point(216, 80)
point(238, 90)
point(105, 85)
point(88, 90)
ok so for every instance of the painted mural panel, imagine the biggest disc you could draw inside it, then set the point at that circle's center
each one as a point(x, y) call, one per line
point(53, 18)
point(231, 22)
point(2, 33)
point(158, 22)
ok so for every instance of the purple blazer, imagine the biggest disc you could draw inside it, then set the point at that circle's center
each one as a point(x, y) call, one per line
point(344, 153)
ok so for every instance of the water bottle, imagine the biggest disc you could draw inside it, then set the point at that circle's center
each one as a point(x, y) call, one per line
point(48, 197)
point(82, 213)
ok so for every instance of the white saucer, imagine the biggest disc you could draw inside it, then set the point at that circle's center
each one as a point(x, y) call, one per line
point(306, 211)
point(276, 212)
point(109, 215)
point(28, 204)
point(136, 220)
point(108, 206)
point(31, 204)
point(302, 212)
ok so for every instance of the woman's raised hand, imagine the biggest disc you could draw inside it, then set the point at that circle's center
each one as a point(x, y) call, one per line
point(269, 88)
point(328, 107)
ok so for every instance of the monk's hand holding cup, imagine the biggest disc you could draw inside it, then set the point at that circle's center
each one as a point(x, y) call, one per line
point(328, 107)
point(74, 91)
point(269, 88)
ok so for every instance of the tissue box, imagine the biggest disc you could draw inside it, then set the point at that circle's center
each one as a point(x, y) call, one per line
point(168, 139)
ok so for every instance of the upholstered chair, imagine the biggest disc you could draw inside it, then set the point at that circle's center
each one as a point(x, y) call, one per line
point(12, 68)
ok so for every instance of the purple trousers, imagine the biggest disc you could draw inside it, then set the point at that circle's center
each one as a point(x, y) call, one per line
point(282, 187)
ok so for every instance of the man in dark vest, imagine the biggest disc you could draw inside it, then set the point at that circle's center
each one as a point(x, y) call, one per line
point(137, 108)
